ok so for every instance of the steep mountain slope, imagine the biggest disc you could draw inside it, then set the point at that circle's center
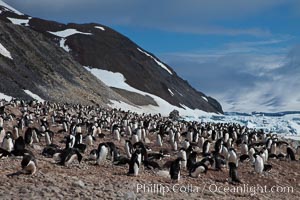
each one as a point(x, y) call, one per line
point(35, 64)
point(100, 47)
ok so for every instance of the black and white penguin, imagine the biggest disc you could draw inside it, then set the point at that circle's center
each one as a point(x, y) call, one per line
point(273, 149)
point(89, 139)
point(19, 144)
point(192, 159)
point(28, 164)
point(79, 142)
point(232, 157)
point(93, 154)
point(113, 153)
point(7, 143)
point(135, 163)
point(128, 148)
point(252, 151)
point(197, 169)
point(102, 153)
point(30, 136)
point(244, 149)
point(67, 156)
point(205, 149)
point(219, 162)
point(15, 132)
point(201, 142)
point(290, 154)
point(182, 154)
point(49, 135)
point(50, 151)
point(186, 144)
point(159, 140)
point(134, 138)
point(70, 141)
point(174, 145)
point(258, 164)
point(175, 169)
point(233, 175)
point(218, 145)
point(116, 134)
point(298, 150)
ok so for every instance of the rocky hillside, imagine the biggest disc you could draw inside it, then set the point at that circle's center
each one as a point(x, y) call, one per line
point(100, 47)
point(38, 66)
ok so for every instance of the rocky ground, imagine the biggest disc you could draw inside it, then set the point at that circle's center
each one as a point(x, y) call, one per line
point(89, 181)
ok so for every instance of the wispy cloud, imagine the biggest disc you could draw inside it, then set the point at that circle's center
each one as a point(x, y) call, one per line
point(245, 76)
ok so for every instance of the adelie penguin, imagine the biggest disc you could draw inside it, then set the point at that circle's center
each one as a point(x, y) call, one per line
point(67, 156)
point(290, 154)
point(102, 153)
point(197, 169)
point(31, 136)
point(89, 139)
point(93, 154)
point(28, 165)
point(7, 143)
point(128, 148)
point(258, 164)
point(182, 154)
point(70, 141)
point(233, 175)
point(175, 169)
point(135, 163)
point(232, 156)
point(205, 148)
point(113, 153)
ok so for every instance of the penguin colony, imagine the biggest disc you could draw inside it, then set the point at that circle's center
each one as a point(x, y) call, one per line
point(193, 147)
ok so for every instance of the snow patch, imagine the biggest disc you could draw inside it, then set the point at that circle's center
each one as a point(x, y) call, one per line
point(4, 96)
point(172, 94)
point(23, 22)
point(205, 98)
point(63, 45)
point(5, 52)
point(157, 62)
point(100, 27)
point(67, 33)
point(10, 8)
point(36, 97)
point(117, 80)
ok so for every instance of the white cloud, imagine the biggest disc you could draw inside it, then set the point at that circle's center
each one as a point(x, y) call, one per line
point(259, 78)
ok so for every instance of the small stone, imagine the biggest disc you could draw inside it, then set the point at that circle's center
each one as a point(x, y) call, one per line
point(23, 190)
point(79, 183)
point(130, 196)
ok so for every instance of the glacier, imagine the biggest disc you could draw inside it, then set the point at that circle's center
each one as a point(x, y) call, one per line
point(286, 124)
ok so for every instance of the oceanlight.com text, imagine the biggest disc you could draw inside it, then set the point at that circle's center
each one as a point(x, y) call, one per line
point(213, 188)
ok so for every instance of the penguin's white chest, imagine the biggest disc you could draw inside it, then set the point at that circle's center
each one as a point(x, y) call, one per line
point(102, 154)
point(89, 140)
point(259, 165)
point(136, 169)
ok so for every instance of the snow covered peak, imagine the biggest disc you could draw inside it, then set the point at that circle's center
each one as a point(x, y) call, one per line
point(3, 4)
point(67, 33)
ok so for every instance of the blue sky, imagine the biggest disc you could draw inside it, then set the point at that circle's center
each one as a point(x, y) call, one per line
point(243, 53)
